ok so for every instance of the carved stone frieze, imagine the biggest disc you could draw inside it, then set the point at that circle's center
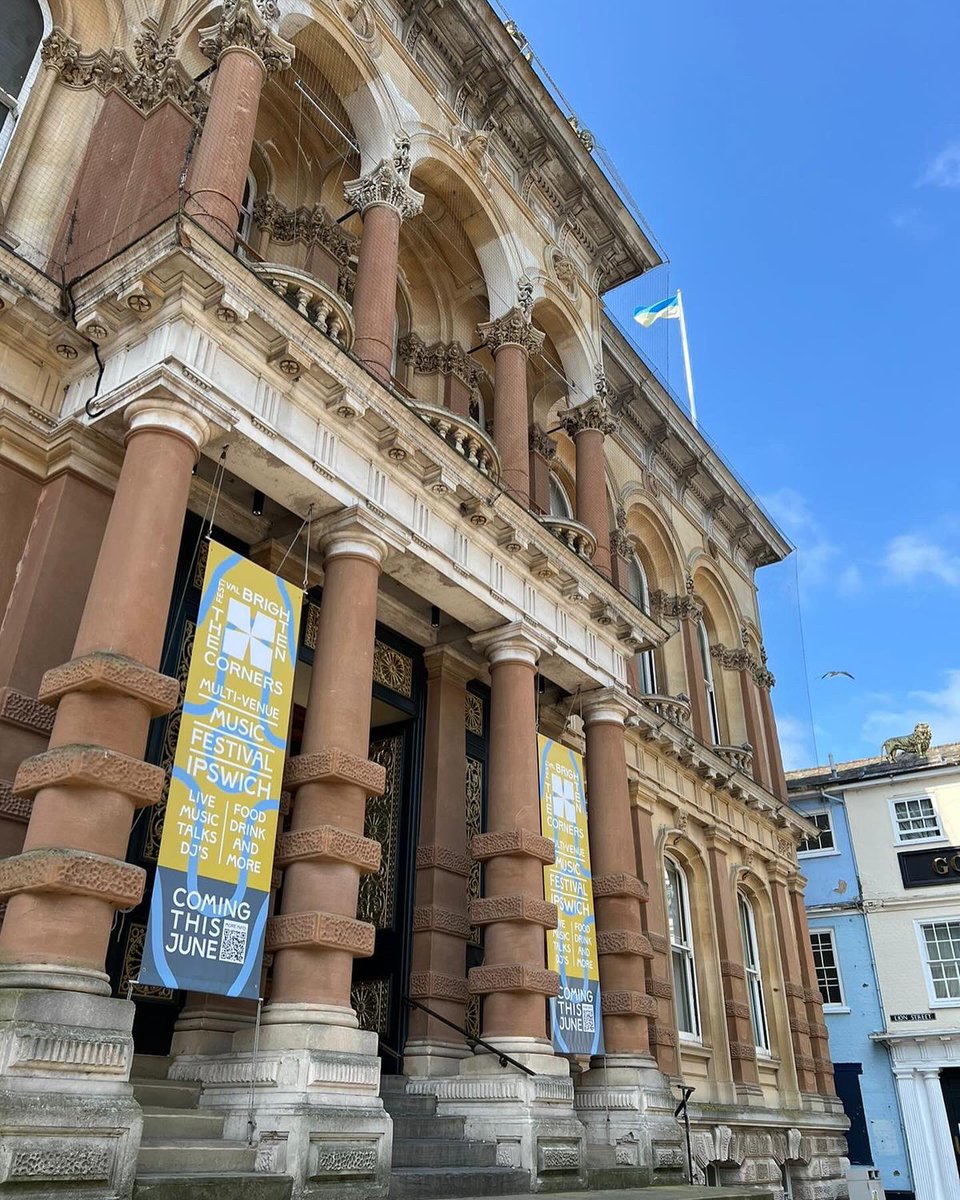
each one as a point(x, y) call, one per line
point(512, 329)
point(442, 358)
point(623, 941)
point(75, 873)
point(387, 184)
point(344, 1163)
point(683, 608)
point(308, 930)
point(626, 1004)
point(541, 443)
point(244, 25)
point(513, 841)
point(430, 917)
point(442, 858)
point(734, 1008)
point(731, 970)
point(621, 885)
point(20, 708)
point(312, 226)
point(91, 766)
point(335, 766)
point(659, 987)
point(102, 671)
point(662, 1035)
point(154, 77)
point(431, 984)
point(14, 808)
point(513, 977)
point(87, 1163)
point(513, 908)
point(327, 843)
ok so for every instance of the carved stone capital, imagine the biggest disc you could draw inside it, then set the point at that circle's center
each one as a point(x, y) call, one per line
point(542, 444)
point(594, 414)
point(620, 543)
point(387, 184)
point(512, 329)
point(735, 659)
point(684, 608)
point(243, 25)
point(442, 358)
point(155, 76)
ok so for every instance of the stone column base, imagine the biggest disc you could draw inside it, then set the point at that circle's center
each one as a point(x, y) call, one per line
point(626, 1108)
point(316, 1105)
point(68, 1121)
point(530, 1117)
point(433, 1058)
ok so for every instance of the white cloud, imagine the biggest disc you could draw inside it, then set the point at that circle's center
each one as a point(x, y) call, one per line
point(940, 710)
point(818, 557)
point(796, 743)
point(911, 556)
point(943, 170)
point(914, 224)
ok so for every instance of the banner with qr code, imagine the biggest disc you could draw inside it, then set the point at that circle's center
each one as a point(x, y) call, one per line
point(211, 892)
point(567, 883)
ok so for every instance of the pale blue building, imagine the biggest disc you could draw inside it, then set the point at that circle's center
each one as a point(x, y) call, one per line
point(847, 979)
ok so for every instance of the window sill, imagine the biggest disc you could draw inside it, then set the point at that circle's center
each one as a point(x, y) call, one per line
point(836, 1008)
point(834, 853)
point(939, 840)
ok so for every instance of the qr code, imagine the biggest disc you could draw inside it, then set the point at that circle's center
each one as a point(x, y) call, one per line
point(233, 943)
point(588, 1017)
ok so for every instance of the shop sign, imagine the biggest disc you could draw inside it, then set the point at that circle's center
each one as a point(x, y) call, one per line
point(211, 891)
point(572, 946)
point(930, 868)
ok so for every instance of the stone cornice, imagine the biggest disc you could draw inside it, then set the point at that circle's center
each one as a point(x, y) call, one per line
point(245, 25)
point(156, 75)
point(443, 358)
point(512, 329)
point(308, 225)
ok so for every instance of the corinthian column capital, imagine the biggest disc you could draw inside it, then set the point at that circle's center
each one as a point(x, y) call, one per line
point(246, 25)
point(593, 414)
point(512, 329)
point(387, 184)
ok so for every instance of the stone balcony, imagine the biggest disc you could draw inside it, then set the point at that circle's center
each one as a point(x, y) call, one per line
point(464, 435)
point(675, 709)
point(738, 757)
point(323, 308)
point(578, 537)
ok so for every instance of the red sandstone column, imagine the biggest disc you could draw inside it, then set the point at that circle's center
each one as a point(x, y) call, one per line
point(689, 612)
point(819, 1044)
point(316, 936)
point(618, 893)
point(755, 733)
point(542, 452)
point(438, 974)
point(588, 424)
point(512, 339)
point(790, 958)
point(777, 779)
point(383, 198)
point(513, 979)
point(743, 1052)
point(71, 877)
point(245, 52)
point(659, 984)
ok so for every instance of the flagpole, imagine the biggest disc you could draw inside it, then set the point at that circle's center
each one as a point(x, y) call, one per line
point(686, 360)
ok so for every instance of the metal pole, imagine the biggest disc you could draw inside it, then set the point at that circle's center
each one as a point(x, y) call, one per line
point(251, 1119)
point(686, 360)
point(681, 1110)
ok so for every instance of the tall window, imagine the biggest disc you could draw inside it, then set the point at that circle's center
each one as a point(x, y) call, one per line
point(640, 594)
point(751, 961)
point(559, 500)
point(245, 225)
point(822, 842)
point(713, 712)
point(24, 24)
point(941, 940)
point(685, 998)
point(916, 820)
point(827, 967)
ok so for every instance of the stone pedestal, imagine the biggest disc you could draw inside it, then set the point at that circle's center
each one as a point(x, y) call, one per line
point(626, 1108)
point(69, 1125)
point(313, 1092)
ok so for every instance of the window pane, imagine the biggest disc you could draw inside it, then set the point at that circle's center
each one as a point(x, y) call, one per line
point(916, 818)
point(942, 940)
point(823, 840)
point(825, 963)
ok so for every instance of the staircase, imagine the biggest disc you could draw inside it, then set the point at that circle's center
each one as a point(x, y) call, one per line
point(183, 1154)
point(431, 1158)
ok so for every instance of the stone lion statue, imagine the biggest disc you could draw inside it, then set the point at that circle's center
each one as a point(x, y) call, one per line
point(917, 742)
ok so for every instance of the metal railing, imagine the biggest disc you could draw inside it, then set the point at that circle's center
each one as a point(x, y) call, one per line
point(472, 1041)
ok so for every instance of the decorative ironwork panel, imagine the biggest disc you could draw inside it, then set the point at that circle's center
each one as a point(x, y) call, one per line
point(132, 957)
point(311, 625)
point(474, 794)
point(378, 893)
point(151, 845)
point(474, 714)
point(471, 1016)
point(200, 569)
point(370, 1000)
point(392, 669)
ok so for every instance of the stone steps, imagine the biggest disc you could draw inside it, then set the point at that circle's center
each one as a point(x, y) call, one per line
point(165, 1093)
point(443, 1152)
point(181, 1124)
point(190, 1155)
point(432, 1183)
point(406, 1128)
point(213, 1187)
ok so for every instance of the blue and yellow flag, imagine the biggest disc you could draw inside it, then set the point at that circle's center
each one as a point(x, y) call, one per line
point(652, 312)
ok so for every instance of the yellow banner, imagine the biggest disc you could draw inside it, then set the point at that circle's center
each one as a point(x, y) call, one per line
point(572, 946)
point(209, 906)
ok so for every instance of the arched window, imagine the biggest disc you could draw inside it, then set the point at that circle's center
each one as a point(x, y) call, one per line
point(686, 1002)
point(560, 505)
point(640, 594)
point(713, 711)
point(245, 224)
point(25, 24)
point(751, 961)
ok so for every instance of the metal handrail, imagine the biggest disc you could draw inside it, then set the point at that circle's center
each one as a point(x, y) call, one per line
point(472, 1042)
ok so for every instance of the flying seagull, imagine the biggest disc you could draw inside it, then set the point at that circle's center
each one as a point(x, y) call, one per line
point(834, 674)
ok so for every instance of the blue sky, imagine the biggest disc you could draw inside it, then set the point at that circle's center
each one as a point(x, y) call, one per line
point(800, 164)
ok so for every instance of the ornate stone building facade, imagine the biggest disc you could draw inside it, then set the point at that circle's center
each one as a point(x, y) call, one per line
point(326, 277)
